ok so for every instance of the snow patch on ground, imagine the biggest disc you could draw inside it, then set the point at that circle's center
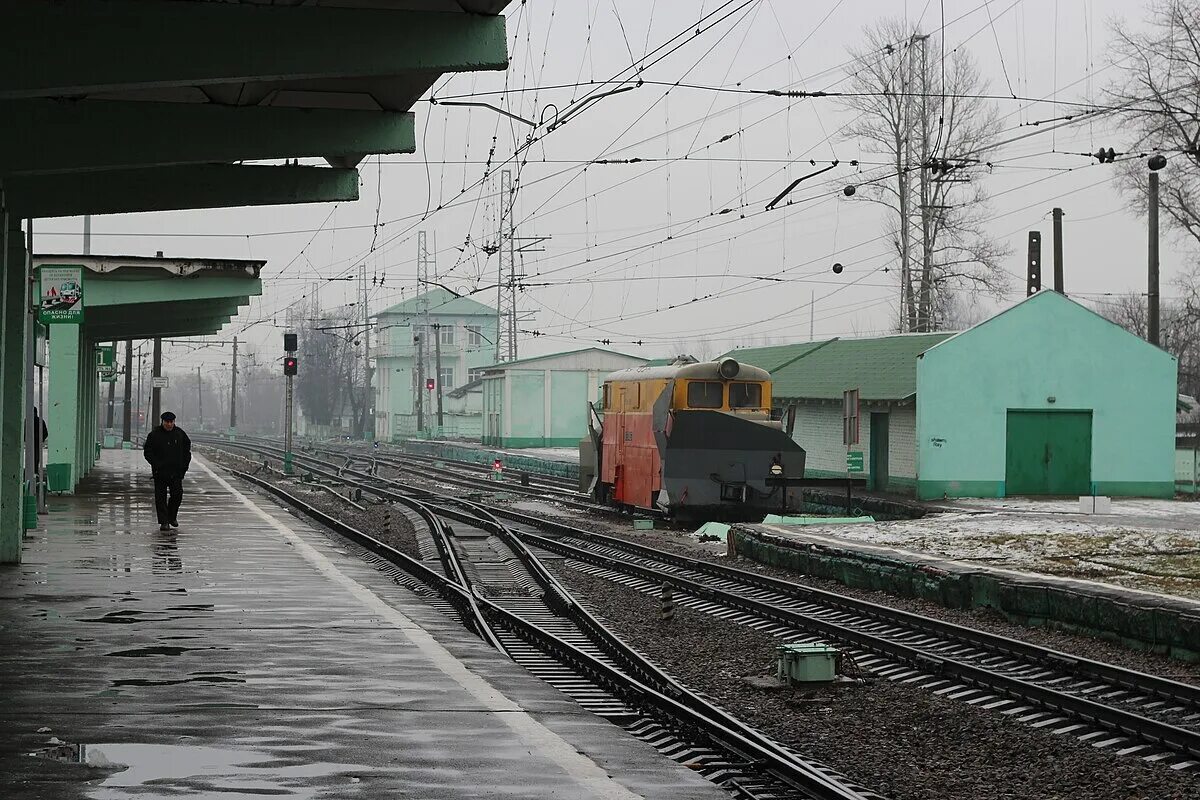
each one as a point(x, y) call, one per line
point(1146, 544)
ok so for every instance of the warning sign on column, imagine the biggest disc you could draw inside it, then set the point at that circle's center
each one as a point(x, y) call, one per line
point(61, 294)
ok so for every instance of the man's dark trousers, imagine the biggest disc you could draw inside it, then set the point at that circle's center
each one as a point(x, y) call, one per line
point(167, 510)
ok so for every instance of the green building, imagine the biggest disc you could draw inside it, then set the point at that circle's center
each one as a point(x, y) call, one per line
point(1045, 398)
point(542, 401)
point(458, 335)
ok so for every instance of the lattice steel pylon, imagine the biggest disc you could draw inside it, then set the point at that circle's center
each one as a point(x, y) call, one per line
point(506, 280)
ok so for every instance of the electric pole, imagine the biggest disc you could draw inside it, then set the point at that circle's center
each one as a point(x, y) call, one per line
point(155, 389)
point(233, 394)
point(506, 279)
point(425, 267)
point(437, 344)
point(1058, 251)
point(289, 371)
point(367, 396)
point(1155, 163)
point(127, 408)
point(199, 401)
point(112, 394)
point(420, 381)
point(139, 389)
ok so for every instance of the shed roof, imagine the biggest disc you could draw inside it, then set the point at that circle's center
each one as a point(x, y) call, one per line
point(881, 368)
point(503, 365)
point(442, 302)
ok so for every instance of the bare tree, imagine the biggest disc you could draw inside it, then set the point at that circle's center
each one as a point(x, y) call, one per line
point(329, 372)
point(924, 113)
point(1179, 332)
point(1158, 94)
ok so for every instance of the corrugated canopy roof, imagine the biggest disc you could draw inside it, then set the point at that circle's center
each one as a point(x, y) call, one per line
point(882, 368)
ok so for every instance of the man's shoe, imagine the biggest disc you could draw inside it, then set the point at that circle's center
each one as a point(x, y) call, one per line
point(174, 523)
point(164, 527)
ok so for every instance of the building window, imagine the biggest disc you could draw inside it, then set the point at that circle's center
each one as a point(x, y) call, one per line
point(446, 334)
point(474, 336)
point(704, 394)
point(850, 417)
point(474, 374)
point(447, 378)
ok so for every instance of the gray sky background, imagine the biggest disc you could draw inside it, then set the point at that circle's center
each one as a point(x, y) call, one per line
point(629, 240)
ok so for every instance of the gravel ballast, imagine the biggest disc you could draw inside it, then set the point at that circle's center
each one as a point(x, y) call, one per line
point(902, 741)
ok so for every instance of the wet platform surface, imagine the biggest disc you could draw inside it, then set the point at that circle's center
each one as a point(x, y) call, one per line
point(248, 655)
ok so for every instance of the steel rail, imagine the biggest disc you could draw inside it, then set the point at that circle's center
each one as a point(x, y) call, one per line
point(1078, 666)
point(696, 715)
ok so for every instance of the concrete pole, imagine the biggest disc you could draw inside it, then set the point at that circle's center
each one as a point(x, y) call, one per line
point(368, 418)
point(199, 401)
point(437, 344)
point(420, 383)
point(233, 392)
point(139, 391)
point(112, 396)
point(126, 422)
point(1058, 251)
point(1152, 287)
point(155, 391)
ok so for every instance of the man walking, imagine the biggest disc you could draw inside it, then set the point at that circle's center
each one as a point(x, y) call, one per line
point(169, 452)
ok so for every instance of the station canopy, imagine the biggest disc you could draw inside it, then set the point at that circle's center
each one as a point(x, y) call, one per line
point(145, 105)
point(138, 297)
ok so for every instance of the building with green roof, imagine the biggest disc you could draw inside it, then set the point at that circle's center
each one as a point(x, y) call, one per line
point(1045, 398)
point(457, 339)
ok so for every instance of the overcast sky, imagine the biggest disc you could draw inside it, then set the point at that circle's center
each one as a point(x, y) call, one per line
point(629, 240)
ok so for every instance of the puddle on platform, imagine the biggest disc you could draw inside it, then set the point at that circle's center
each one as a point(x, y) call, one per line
point(170, 770)
point(159, 650)
point(199, 677)
point(124, 617)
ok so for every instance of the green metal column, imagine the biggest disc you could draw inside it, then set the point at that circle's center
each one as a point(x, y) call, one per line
point(12, 386)
point(62, 416)
point(12, 261)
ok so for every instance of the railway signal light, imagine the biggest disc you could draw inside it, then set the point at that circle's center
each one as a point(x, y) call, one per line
point(289, 342)
point(290, 365)
point(429, 384)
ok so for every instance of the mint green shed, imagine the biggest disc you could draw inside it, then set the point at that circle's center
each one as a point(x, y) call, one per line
point(542, 401)
point(1045, 398)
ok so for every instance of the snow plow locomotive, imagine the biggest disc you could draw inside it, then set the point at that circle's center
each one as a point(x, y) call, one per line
point(692, 439)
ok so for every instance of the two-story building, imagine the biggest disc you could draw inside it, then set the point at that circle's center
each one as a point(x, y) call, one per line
point(464, 331)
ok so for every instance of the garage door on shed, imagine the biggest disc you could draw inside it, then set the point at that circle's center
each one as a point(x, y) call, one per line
point(1048, 452)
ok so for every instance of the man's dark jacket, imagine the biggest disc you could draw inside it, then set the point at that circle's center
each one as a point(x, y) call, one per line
point(169, 452)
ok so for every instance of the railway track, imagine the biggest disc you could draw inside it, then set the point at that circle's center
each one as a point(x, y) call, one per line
point(517, 606)
point(1110, 707)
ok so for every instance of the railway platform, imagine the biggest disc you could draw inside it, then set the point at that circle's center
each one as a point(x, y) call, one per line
point(248, 653)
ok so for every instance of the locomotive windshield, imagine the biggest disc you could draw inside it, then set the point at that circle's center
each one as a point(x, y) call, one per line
point(745, 395)
point(705, 394)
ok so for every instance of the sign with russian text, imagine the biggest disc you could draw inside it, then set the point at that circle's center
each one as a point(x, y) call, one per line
point(60, 291)
point(854, 461)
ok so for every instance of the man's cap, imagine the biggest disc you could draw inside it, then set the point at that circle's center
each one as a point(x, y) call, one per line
point(167, 416)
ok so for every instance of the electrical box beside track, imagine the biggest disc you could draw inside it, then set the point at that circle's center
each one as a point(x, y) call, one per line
point(807, 663)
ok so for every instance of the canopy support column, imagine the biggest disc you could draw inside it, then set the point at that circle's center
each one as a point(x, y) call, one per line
point(12, 388)
point(62, 418)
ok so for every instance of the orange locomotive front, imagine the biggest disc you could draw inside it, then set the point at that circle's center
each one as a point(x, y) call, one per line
point(692, 439)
